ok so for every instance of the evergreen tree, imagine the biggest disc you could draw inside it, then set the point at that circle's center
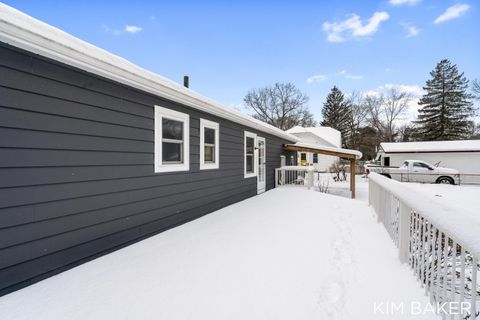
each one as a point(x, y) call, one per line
point(336, 113)
point(447, 106)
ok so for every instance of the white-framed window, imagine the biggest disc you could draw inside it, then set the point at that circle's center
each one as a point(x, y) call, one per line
point(209, 145)
point(172, 140)
point(250, 143)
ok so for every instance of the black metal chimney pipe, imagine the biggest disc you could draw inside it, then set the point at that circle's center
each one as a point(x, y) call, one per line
point(186, 82)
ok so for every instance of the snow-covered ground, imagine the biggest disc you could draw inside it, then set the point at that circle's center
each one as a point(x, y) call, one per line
point(342, 188)
point(287, 254)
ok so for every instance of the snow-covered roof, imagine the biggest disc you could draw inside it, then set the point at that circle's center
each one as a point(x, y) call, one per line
point(28, 33)
point(328, 134)
point(318, 147)
point(431, 146)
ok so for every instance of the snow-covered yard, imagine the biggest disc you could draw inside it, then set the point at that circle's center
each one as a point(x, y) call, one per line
point(342, 188)
point(287, 254)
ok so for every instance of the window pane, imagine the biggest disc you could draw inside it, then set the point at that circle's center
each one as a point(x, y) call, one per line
point(209, 135)
point(209, 154)
point(420, 165)
point(172, 129)
point(249, 163)
point(261, 174)
point(250, 145)
point(172, 152)
point(315, 158)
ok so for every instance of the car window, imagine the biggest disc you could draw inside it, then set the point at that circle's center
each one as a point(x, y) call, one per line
point(421, 165)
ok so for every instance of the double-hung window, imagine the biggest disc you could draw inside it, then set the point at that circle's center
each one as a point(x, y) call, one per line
point(209, 145)
point(172, 140)
point(249, 145)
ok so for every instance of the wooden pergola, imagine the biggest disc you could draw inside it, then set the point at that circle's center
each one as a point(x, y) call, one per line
point(351, 155)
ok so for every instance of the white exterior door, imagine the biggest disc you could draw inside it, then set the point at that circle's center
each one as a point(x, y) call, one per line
point(261, 177)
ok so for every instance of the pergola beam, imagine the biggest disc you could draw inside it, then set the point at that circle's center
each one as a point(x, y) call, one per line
point(290, 147)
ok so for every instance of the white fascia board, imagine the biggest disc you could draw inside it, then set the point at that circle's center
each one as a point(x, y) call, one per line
point(30, 34)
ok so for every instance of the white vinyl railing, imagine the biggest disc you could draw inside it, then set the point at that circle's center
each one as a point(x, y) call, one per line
point(294, 175)
point(444, 260)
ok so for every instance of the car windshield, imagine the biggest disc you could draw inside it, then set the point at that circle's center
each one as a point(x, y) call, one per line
point(405, 164)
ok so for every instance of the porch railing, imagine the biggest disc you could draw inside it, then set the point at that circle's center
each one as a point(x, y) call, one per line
point(443, 254)
point(307, 176)
point(294, 175)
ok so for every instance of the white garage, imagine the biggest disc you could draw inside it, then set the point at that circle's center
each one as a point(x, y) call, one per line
point(463, 155)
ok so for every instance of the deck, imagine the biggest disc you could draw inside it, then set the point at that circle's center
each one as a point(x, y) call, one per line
point(289, 253)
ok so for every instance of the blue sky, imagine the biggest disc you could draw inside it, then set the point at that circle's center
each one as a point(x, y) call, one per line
point(229, 48)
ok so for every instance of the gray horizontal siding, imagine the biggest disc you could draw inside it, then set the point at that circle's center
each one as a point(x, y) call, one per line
point(76, 168)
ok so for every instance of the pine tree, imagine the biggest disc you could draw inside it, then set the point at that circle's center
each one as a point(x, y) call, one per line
point(336, 113)
point(447, 106)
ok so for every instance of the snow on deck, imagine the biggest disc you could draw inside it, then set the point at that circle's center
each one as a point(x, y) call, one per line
point(286, 254)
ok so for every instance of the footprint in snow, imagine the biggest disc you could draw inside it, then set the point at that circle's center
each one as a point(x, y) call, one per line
point(331, 299)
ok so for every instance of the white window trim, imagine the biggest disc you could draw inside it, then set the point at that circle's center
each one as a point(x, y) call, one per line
point(160, 113)
point(215, 126)
point(254, 173)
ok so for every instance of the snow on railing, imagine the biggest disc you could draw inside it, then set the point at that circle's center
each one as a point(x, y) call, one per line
point(441, 245)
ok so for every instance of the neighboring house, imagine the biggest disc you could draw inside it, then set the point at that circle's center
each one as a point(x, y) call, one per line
point(97, 153)
point(322, 136)
point(463, 155)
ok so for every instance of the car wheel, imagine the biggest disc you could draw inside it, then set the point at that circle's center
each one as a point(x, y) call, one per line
point(445, 180)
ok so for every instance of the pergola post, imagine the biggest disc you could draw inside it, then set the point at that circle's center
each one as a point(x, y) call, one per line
point(352, 177)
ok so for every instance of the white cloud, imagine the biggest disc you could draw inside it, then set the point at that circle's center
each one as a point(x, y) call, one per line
point(354, 76)
point(414, 90)
point(372, 25)
point(453, 12)
point(354, 27)
point(387, 69)
point(371, 93)
point(343, 73)
point(127, 29)
point(132, 29)
point(403, 2)
point(317, 78)
point(412, 31)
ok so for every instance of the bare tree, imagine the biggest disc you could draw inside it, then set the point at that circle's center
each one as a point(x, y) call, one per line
point(374, 105)
point(281, 105)
point(395, 105)
point(357, 119)
point(385, 110)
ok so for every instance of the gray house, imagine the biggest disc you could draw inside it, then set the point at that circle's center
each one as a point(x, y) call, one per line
point(97, 153)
